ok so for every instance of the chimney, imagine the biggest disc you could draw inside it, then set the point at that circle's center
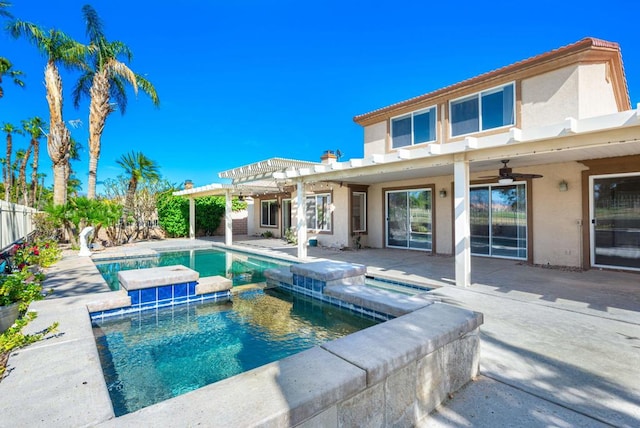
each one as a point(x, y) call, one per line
point(188, 184)
point(328, 157)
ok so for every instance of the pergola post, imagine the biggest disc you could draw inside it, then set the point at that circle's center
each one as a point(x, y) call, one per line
point(301, 221)
point(462, 229)
point(228, 220)
point(192, 218)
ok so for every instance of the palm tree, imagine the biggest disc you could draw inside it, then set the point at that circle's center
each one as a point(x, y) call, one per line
point(5, 70)
point(34, 127)
point(74, 185)
point(21, 185)
point(9, 129)
point(138, 167)
point(58, 48)
point(103, 83)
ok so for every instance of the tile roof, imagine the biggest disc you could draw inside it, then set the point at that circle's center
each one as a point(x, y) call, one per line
point(583, 44)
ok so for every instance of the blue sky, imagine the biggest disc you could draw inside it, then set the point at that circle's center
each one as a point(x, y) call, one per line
point(244, 81)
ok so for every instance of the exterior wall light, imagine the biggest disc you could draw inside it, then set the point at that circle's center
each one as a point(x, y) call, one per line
point(563, 186)
point(443, 193)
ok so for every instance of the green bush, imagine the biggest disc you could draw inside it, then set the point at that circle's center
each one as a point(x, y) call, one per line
point(21, 287)
point(41, 253)
point(173, 213)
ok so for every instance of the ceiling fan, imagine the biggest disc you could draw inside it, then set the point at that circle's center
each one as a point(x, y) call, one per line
point(506, 174)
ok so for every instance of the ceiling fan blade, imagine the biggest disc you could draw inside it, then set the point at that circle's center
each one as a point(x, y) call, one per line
point(518, 175)
point(489, 176)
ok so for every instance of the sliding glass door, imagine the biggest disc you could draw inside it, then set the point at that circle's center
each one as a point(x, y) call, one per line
point(498, 220)
point(409, 219)
point(615, 221)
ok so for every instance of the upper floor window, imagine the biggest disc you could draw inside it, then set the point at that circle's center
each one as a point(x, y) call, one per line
point(319, 212)
point(489, 109)
point(413, 128)
point(268, 213)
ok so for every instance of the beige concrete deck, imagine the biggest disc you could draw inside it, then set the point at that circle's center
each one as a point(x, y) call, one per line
point(559, 348)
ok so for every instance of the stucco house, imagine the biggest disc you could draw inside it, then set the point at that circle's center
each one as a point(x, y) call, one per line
point(537, 161)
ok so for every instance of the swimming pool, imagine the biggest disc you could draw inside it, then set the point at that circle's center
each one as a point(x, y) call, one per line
point(150, 356)
point(240, 268)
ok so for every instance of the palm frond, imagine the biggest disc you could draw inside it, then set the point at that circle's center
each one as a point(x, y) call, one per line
point(148, 89)
point(118, 94)
point(3, 12)
point(119, 48)
point(95, 27)
point(120, 69)
point(82, 87)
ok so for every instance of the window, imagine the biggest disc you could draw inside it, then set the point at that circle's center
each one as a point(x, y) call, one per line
point(414, 128)
point(490, 109)
point(359, 211)
point(269, 213)
point(319, 212)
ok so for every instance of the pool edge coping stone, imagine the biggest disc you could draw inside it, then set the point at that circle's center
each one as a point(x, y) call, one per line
point(138, 279)
point(275, 394)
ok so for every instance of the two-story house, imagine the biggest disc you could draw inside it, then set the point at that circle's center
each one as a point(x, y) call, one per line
point(537, 161)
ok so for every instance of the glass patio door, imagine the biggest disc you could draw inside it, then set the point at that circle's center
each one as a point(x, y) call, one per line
point(409, 219)
point(615, 221)
point(498, 221)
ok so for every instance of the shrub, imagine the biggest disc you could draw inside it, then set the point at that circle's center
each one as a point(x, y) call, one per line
point(173, 213)
point(41, 253)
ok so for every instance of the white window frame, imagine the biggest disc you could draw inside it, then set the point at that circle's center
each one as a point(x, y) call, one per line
point(269, 202)
point(412, 114)
point(314, 198)
point(363, 220)
point(479, 95)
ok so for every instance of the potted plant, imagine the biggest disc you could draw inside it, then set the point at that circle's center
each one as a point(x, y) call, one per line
point(17, 291)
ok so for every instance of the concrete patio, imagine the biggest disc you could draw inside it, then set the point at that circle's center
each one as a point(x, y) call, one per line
point(559, 347)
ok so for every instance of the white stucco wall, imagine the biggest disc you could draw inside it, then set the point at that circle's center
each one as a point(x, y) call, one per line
point(557, 216)
point(596, 94)
point(577, 91)
point(550, 97)
point(375, 137)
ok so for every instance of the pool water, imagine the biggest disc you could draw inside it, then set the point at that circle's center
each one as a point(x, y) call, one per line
point(240, 268)
point(150, 356)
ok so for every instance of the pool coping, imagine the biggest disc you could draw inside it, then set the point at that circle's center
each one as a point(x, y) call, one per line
point(73, 375)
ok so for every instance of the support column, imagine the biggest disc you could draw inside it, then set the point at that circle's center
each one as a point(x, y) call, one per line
point(462, 228)
point(301, 221)
point(228, 220)
point(192, 218)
